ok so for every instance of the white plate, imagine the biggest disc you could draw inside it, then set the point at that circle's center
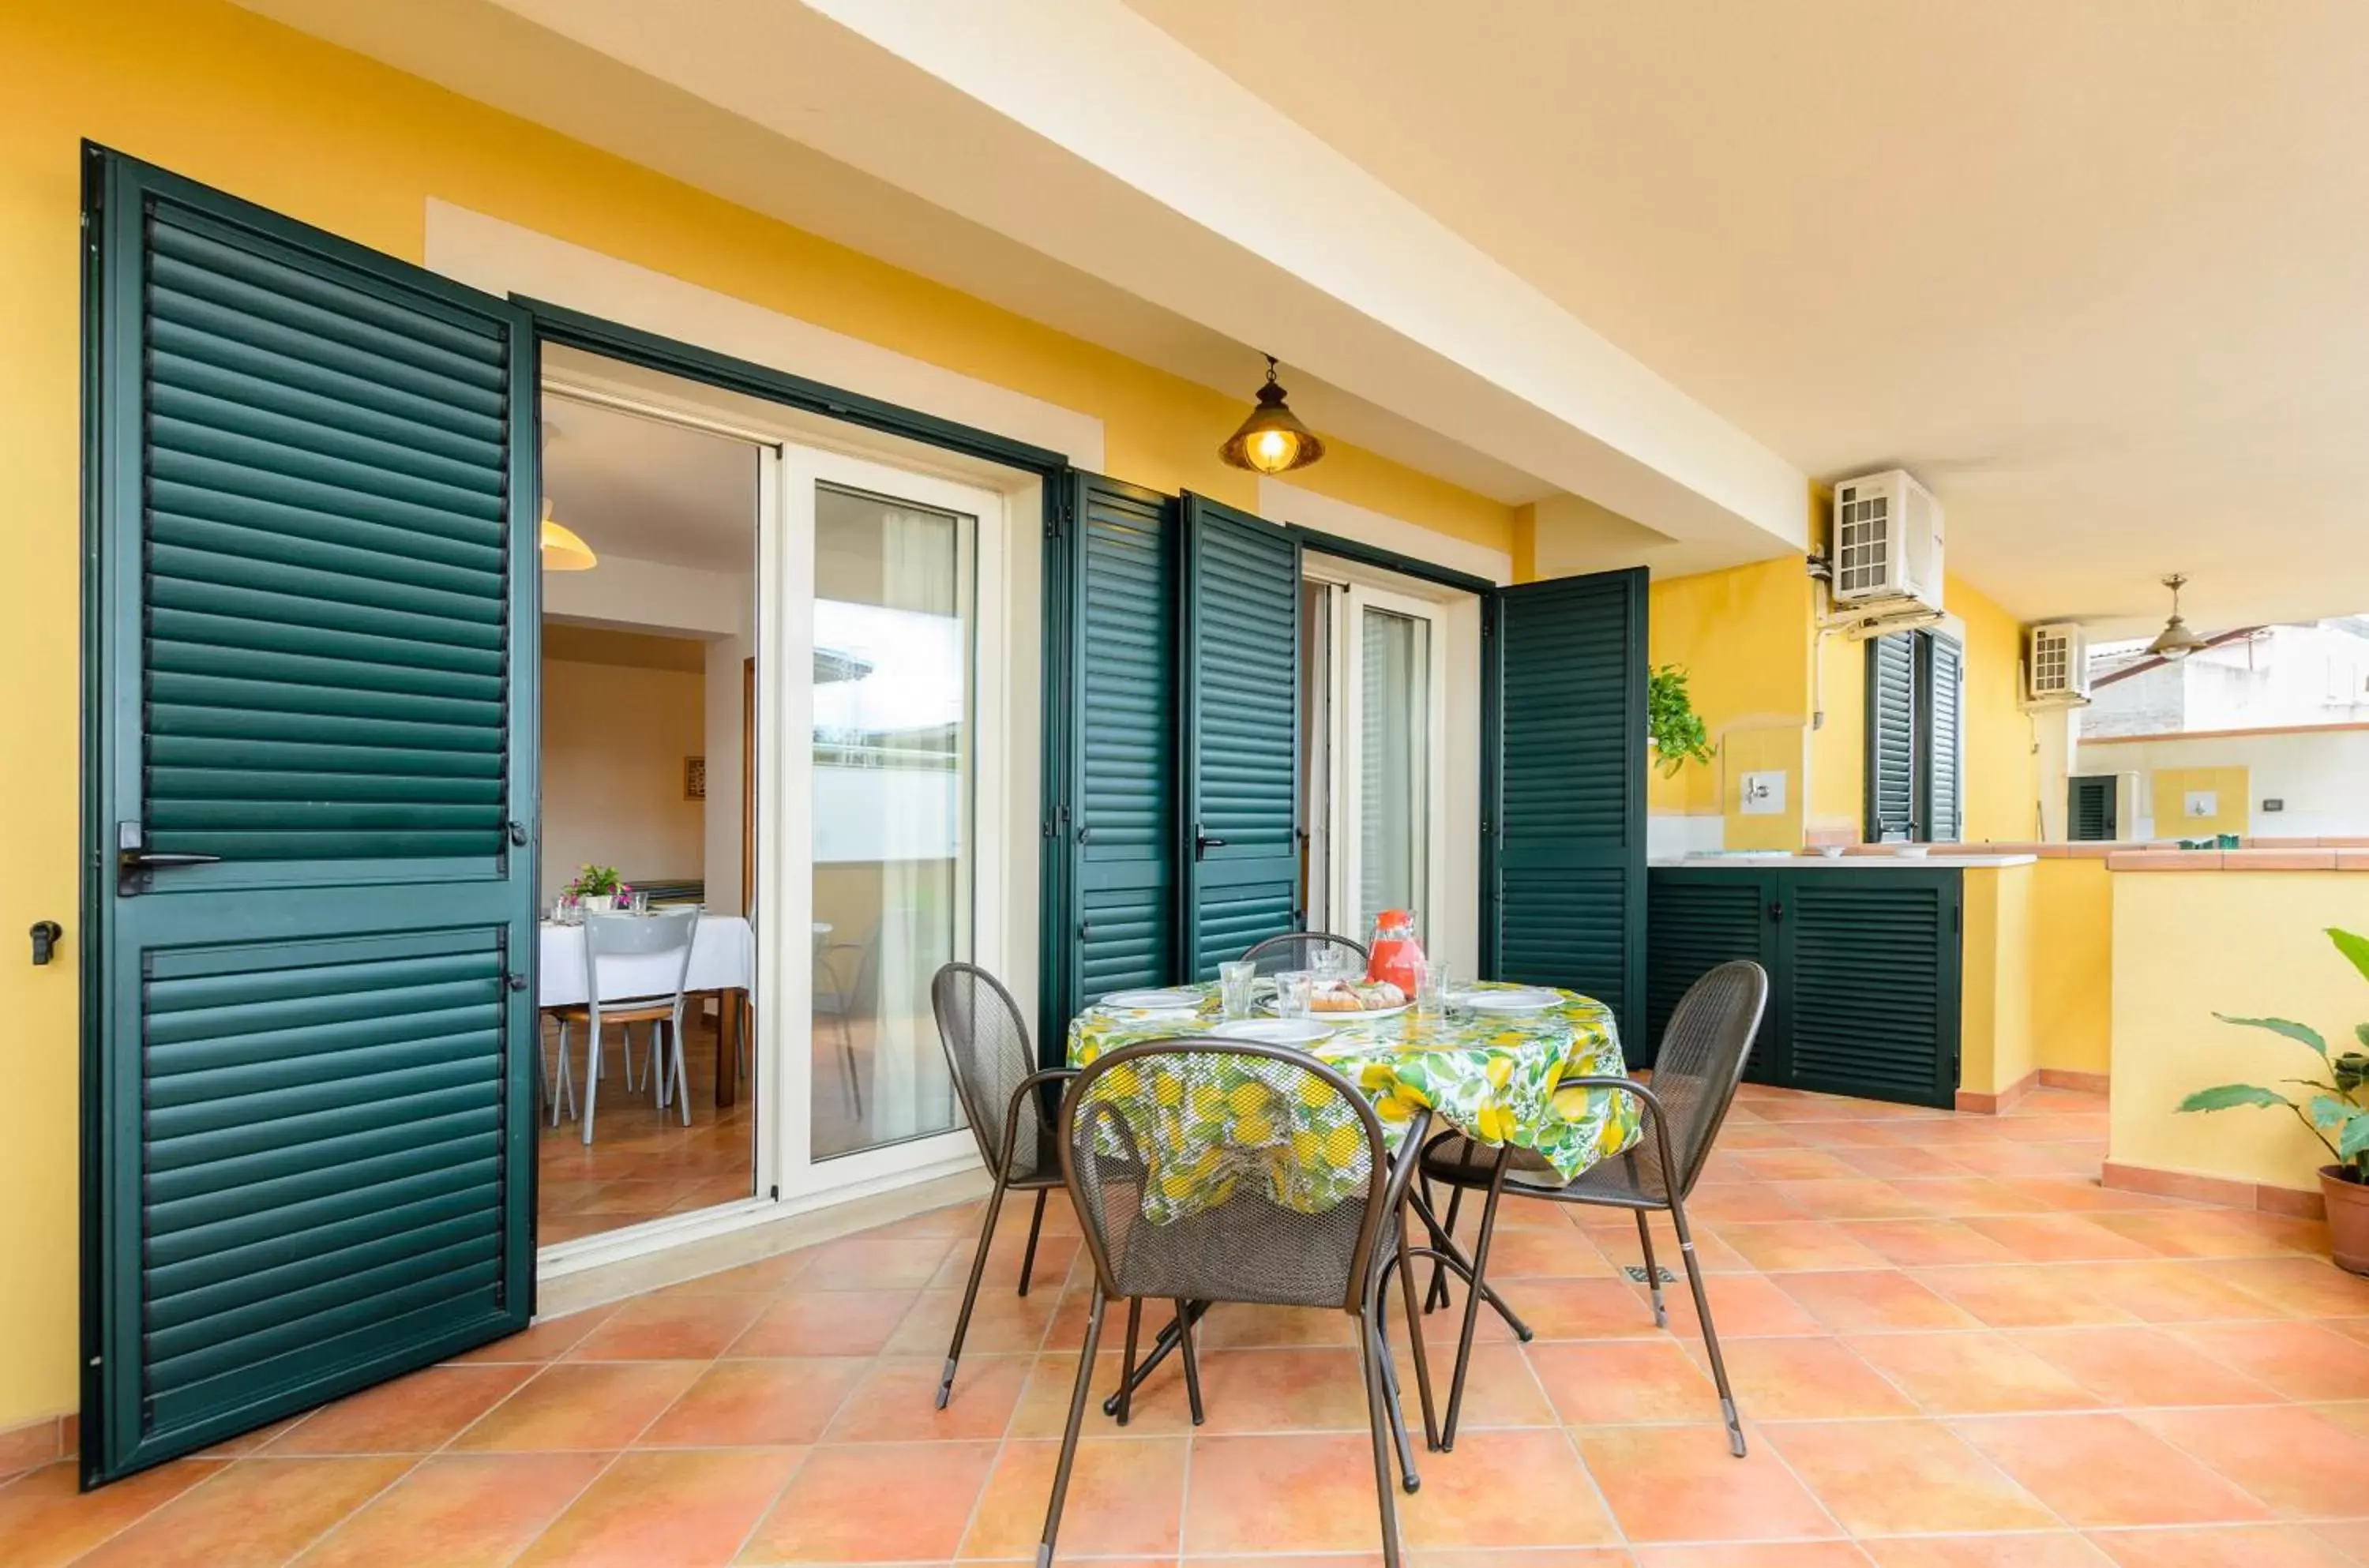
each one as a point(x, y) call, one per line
point(1273, 1030)
point(1360, 1017)
point(1152, 1001)
point(1530, 1000)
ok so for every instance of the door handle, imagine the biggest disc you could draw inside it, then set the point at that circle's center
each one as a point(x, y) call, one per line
point(1202, 844)
point(143, 860)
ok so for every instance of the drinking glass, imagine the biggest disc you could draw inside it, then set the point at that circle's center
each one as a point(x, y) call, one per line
point(1235, 982)
point(1430, 987)
point(640, 903)
point(1292, 989)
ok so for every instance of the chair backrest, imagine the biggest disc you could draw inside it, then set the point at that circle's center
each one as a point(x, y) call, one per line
point(1702, 1059)
point(1222, 1171)
point(987, 1052)
point(667, 931)
point(1298, 950)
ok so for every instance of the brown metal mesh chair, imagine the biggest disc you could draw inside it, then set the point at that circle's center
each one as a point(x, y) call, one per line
point(997, 1079)
point(1209, 1170)
point(1695, 1074)
point(1298, 950)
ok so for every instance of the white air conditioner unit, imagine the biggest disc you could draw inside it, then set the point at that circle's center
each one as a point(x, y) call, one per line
point(1887, 542)
point(2057, 666)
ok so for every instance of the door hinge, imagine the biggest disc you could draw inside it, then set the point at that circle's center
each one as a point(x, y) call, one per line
point(514, 982)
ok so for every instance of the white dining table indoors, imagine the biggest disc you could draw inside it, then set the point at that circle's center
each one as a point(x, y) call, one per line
point(723, 959)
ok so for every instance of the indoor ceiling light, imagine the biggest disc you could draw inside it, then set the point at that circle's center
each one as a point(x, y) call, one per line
point(2175, 641)
point(1272, 440)
point(562, 551)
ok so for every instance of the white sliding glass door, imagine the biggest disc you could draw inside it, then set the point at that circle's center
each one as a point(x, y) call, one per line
point(1387, 761)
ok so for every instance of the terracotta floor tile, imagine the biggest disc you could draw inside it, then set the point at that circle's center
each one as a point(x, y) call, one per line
point(897, 1401)
point(861, 1503)
point(2351, 1538)
point(1501, 1390)
point(581, 1406)
point(2350, 1415)
point(1858, 1198)
point(838, 1322)
point(2105, 1469)
point(1971, 1374)
point(1808, 1379)
point(1578, 1309)
point(1748, 1203)
point(2300, 1360)
point(1775, 1554)
point(546, 1340)
point(2058, 1238)
point(2172, 1291)
point(1904, 1478)
point(458, 1511)
point(2142, 1367)
point(1923, 1243)
point(872, 1263)
point(2037, 1550)
point(1126, 1496)
point(1055, 1257)
point(1561, 1253)
point(1602, 1382)
point(2300, 1463)
point(666, 1510)
point(1231, 1324)
point(2260, 1546)
point(1464, 1500)
point(1897, 1163)
point(758, 1404)
point(1872, 1298)
point(257, 1513)
point(1286, 1390)
point(1802, 1245)
point(1445, 1557)
point(1160, 1407)
point(1681, 1483)
point(2303, 1287)
point(1741, 1306)
point(1002, 1323)
point(1714, 1254)
point(668, 1328)
point(1795, 1166)
point(766, 1276)
point(44, 1521)
point(2192, 1233)
point(1311, 1492)
point(2023, 1296)
point(2352, 1328)
point(410, 1415)
point(1968, 1197)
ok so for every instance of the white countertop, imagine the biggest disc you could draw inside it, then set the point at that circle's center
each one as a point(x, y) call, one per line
point(1781, 860)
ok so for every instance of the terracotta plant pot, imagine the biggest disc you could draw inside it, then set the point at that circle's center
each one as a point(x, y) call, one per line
point(2348, 1218)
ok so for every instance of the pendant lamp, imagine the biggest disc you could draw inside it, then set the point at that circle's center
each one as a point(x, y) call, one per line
point(1272, 440)
point(2175, 641)
point(562, 551)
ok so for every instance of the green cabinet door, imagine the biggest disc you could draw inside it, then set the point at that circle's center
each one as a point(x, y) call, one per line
point(1698, 919)
point(1240, 847)
point(310, 698)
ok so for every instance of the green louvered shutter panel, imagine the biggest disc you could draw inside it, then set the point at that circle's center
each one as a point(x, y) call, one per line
point(1941, 676)
point(1125, 737)
point(310, 1144)
point(1240, 844)
point(1700, 920)
point(2091, 807)
point(1871, 961)
point(1564, 788)
point(1892, 738)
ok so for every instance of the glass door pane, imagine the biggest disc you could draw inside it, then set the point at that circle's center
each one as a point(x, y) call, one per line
point(1394, 763)
point(894, 684)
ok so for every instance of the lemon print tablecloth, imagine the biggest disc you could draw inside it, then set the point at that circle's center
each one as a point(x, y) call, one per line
point(1490, 1076)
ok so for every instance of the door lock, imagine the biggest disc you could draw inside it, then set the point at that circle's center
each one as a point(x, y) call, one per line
point(45, 940)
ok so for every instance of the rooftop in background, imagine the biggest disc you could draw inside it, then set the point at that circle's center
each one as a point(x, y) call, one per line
point(2287, 677)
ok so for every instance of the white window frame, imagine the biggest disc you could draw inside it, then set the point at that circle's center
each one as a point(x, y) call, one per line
point(1350, 601)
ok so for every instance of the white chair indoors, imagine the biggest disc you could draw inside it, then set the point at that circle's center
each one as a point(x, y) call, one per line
point(633, 971)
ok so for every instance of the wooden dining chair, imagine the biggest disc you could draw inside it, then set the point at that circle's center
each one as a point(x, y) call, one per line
point(652, 936)
point(1702, 1060)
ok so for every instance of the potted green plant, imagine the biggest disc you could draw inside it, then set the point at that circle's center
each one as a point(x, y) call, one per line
point(1673, 727)
point(599, 887)
point(2334, 1107)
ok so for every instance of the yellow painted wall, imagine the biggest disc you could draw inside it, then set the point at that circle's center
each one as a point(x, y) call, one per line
point(2188, 945)
point(1997, 1000)
point(2168, 789)
point(2001, 762)
point(2072, 958)
point(221, 95)
point(1742, 636)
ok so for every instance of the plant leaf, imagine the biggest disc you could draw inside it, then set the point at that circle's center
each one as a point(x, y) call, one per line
point(2228, 1096)
point(2354, 948)
point(2353, 1143)
point(2327, 1111)
point(2301, 1033)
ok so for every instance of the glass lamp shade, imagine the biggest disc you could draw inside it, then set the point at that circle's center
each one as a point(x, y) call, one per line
point(563, 550)
point(2175, 641)
point(1272, 440)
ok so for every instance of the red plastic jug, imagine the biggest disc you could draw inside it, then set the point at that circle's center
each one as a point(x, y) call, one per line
point(1395, 955)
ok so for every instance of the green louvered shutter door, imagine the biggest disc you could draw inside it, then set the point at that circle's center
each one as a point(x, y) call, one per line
point(1700, 920)
point(1941, 675)
point(311, 1070)
point(1124, 733)
point(1564, 788)
point(1872, 958)
point(1240, 842)
point(1892, 738)
point(2091, 807)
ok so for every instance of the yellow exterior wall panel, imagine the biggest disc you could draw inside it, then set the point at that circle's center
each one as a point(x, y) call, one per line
point(2231, 788)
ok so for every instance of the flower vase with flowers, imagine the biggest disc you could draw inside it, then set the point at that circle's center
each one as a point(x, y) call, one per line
point(599, 888)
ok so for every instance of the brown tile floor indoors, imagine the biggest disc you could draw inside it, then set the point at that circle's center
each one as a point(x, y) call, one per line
point(1954, 1350)
point(641, 1165)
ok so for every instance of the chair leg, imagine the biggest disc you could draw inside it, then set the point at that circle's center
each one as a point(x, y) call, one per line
point(1393, 1406)
point(847, 1057)
point(1414, 1339)
point(559, 1076)
point(1126, 1367)
point(971, 1296)
point(1473, 1298)
point(1036, 1223)
point(1711, 1334)
point(1379, 1422)
point(682, 1083)
point(1069, 1434)
point(591, 1076)
point(1652, 1270)
point(1192, 1358)
point(1437, 1295)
